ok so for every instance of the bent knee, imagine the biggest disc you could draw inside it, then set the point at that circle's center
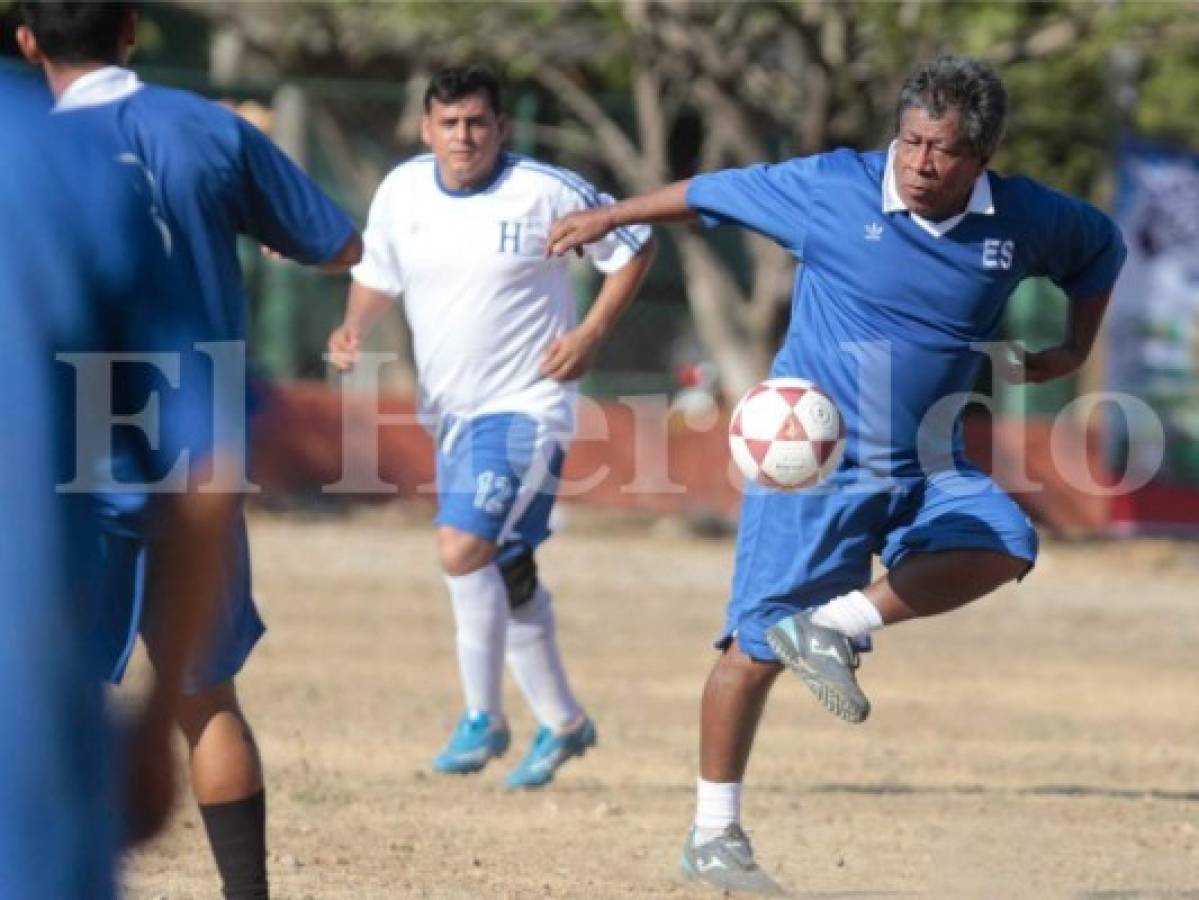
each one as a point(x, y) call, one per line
point(461, 552)
point(1010, 568)
point(198, 711)
point(736, 663)
point(993, 565)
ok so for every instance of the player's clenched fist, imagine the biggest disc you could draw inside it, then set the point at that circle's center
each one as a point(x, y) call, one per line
point(571, 355)
point(577, 229)
point(344, 348)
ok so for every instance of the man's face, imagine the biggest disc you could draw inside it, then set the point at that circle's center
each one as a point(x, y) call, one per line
point(935, 169)
point(466, 136)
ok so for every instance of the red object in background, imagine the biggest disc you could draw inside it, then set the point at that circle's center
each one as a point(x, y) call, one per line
point(298, 438)
point(688, 376)
point(1016, 453)
point(297, 443)
point(1156, 509)
point(697, 375)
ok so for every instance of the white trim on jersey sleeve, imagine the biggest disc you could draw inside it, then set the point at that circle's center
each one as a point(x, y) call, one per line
point(615, 251)
point(380, 269)
point(576, 193)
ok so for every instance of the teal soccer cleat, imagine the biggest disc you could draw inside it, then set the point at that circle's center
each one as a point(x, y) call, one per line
point(549, 751)
point(475, 741)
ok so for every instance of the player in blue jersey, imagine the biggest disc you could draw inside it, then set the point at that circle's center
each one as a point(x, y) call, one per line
point(84, 275)
point(213, 176)
point(909, 256)
point(460, 235)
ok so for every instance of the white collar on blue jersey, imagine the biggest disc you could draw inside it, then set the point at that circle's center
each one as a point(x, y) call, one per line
point(107, 85)
point(980, 200)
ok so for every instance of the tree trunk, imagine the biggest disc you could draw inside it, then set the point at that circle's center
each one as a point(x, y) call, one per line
point(716, 300)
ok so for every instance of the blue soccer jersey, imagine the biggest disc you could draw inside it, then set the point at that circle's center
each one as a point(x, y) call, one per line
point(216, 176)
point(80, 271)
point(210, 176)
point(887, 313)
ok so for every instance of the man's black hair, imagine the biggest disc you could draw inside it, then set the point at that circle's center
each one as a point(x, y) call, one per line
point(969, 86)
point(458, 82)
point(78, 32)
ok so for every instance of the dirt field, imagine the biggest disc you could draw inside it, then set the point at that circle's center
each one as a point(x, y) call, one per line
point(1042, 743)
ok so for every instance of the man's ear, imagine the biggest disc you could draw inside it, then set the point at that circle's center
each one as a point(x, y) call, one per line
point(424, 131)
point(505, 126)
point(28, 44)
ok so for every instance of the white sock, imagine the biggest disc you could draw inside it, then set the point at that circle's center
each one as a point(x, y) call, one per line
point(481, 612)
point(717, 805)
point(851, 614)
point(537, 665)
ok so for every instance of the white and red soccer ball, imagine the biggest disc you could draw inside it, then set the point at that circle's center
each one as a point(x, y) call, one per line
point(786, 433)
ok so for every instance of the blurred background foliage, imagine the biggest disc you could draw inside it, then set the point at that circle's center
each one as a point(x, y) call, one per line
point(634, 93)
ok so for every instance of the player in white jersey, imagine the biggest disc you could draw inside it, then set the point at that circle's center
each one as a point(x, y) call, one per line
point(460, 233)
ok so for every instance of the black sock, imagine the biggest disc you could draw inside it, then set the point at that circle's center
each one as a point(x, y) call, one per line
point(237, 834)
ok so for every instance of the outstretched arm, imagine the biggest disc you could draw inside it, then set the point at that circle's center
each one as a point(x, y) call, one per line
point(668, 204)
point(286, 211)
point(364, 309)
point(349, 255)
point(568, 357)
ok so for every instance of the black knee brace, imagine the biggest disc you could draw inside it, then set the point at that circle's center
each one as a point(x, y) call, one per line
point(520, 577)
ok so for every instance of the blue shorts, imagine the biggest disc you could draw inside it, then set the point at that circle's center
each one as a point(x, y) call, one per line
point(497, 476)
point(799, 550)
point(121, 614)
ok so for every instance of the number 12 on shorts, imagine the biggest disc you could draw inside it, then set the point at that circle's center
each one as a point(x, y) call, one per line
point(493, 492)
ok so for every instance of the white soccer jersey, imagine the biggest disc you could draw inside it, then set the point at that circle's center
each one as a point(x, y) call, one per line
point(481, 299)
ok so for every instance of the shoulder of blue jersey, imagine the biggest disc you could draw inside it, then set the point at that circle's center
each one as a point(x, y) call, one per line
point(834, 165)
point(184, 102)
point(851, 163)
point(1030, 200)
point(181, 116)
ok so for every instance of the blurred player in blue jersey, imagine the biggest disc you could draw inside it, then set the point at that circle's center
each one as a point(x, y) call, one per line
point(212, 176)
point(460, 234)
point(909, 256)
point(83, 275)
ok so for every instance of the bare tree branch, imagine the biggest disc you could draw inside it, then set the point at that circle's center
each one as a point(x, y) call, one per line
point(746, 81)
point(1049, 40)
point(616, 148)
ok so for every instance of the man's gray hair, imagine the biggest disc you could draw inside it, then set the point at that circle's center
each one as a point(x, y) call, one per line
point(968, 86)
